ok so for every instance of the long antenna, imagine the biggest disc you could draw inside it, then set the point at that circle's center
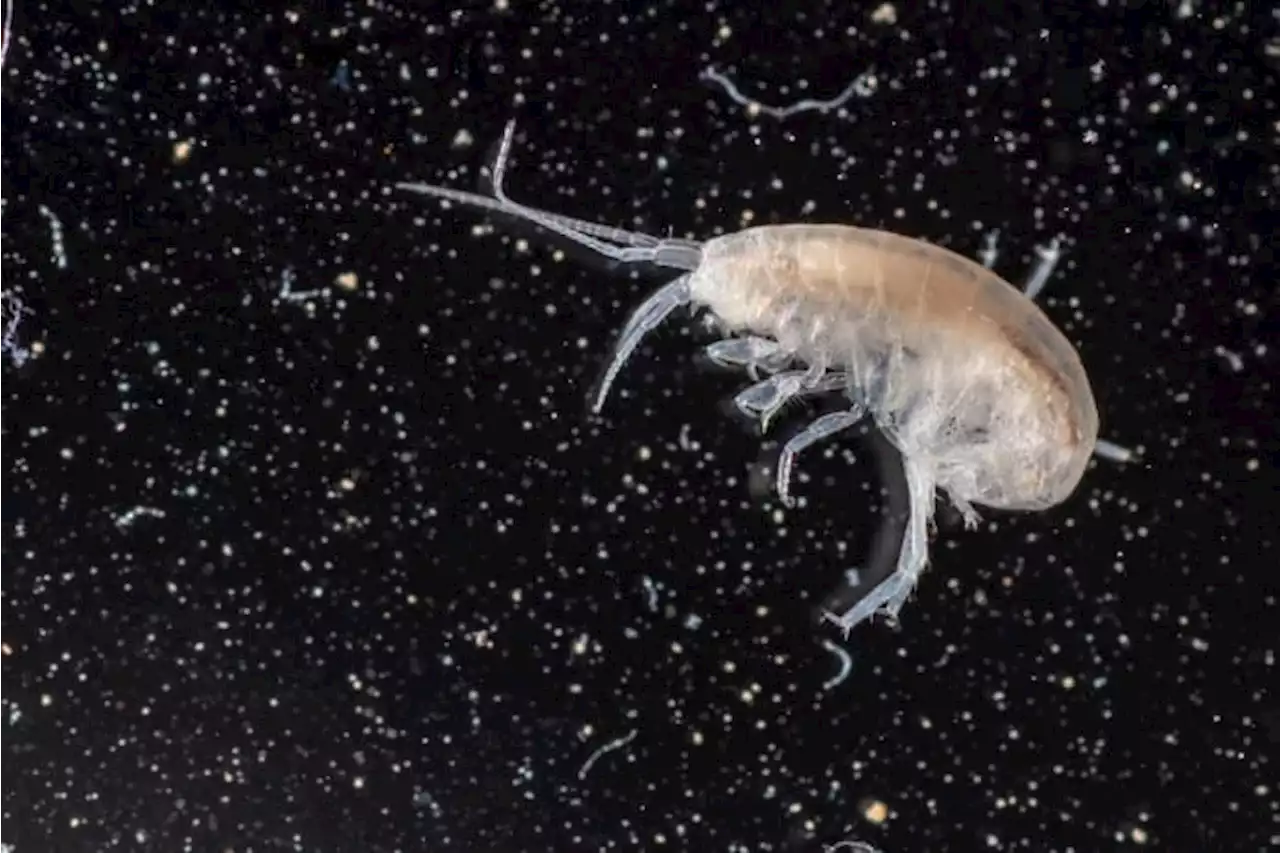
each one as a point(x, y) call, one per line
point(613, 243)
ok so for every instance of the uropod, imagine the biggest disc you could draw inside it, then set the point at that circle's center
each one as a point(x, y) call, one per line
point(983, 397)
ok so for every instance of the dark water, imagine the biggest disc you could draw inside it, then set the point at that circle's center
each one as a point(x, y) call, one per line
point(344, 566)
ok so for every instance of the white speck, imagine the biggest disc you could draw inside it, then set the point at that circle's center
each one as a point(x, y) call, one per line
point(1232, 358)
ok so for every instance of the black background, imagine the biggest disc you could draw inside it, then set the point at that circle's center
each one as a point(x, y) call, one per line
point(403, 586)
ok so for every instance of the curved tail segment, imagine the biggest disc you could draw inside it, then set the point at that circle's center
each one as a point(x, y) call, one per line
point(625, 247)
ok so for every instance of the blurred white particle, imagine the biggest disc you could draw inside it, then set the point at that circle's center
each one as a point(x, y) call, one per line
point(608, 747)
point(132, 515)
point(55, 235)
point(685, 442)
point(863, 86)
point(846, 664)
point(1232, 358)
point(288, 294)
point(885, 13)
point(651, 593)
point(13, 311)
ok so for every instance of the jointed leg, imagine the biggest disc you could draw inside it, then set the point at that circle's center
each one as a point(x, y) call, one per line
point(891, 594)
point(766, 398)
point(971, 517)
point(753, 353)
point(816, 431)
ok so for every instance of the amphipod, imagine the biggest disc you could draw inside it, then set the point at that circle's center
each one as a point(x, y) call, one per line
point(981, 394)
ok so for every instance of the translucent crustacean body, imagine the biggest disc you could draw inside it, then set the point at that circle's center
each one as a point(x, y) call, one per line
point(983, 396)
